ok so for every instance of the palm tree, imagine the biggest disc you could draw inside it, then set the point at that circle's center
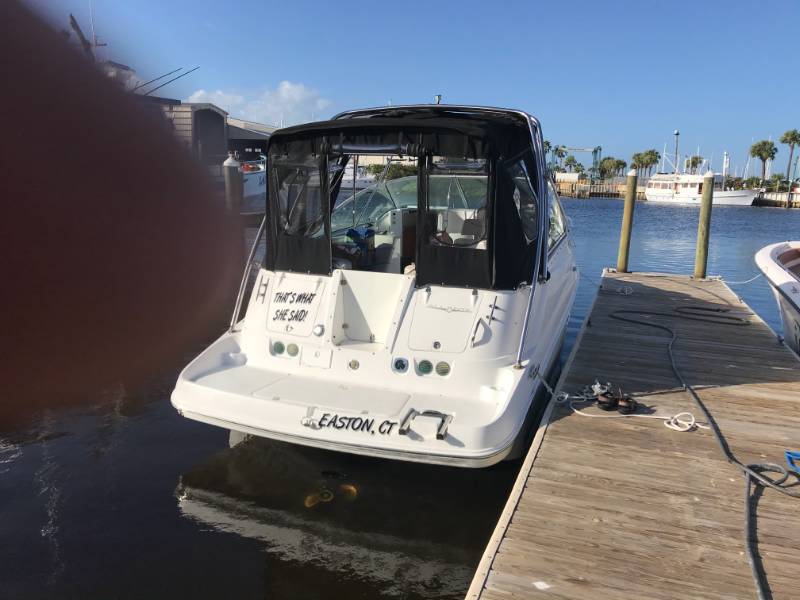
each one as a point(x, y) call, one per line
point(764, 150)
point(619, 166)
point(791, 138)
point(652, 158)
point(638, 161)
point(607, 167)
point(695, 162)
point(561, 152)
point(570, 163)
point(547, 146)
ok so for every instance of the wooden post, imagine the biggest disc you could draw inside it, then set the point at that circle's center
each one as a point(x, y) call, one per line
point(627, 222)
point(704, 227)
point(234, 184)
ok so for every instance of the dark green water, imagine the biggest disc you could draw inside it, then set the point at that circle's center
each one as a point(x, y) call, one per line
point(125, 499)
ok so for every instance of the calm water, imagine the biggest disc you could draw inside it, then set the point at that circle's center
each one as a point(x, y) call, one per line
point(126, 499)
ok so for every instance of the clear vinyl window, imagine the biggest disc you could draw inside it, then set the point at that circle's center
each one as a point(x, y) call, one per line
point(558, 225)
point(457, 202)
point(525, 199)
point(300, 210)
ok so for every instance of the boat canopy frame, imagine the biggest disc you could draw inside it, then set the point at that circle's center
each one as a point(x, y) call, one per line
point(498, 136)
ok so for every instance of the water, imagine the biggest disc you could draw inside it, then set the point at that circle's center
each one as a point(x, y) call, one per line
point(123, 498)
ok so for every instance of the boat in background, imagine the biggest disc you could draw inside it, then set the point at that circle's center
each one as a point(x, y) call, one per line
point(417, 321)
point(254, 179)
point(356, 179)
point(780, 264)
point(687, 188)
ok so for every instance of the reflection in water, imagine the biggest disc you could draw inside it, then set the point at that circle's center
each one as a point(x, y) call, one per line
point(402, 529)
point(87, 494)
point(9, 452)
point(48, 481)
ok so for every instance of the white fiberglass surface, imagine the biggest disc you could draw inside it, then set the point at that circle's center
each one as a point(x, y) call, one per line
point(335, 395)
point(366, 304)
point(443, 319)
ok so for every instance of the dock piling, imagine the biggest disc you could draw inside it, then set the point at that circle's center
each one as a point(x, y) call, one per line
point(627, 222)
point(704, 227)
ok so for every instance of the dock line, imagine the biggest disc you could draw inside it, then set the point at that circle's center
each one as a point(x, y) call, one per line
point(753, 472)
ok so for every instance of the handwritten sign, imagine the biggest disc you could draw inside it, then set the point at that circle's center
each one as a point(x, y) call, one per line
point(291, 315)
point(293, 304)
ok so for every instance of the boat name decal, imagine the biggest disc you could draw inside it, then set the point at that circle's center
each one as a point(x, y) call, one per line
point(449, 308)
point(356, 424)
point(294, 298)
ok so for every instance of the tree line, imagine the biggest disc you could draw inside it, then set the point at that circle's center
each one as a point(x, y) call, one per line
point(764, 150)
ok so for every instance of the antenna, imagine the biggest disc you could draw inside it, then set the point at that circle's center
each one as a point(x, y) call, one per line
point(88, 47)
point(85, 44)
point(437, 99)
point(91, 24)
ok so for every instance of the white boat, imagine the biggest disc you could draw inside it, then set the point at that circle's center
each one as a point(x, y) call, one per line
point(780, 264)
point(416, 325)
point(254, 179)
point(687, 188)
point(357, 179)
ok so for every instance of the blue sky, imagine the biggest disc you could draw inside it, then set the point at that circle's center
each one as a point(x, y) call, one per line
point(619, 74)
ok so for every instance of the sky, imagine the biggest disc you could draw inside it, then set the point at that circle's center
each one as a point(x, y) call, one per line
point(619, 74)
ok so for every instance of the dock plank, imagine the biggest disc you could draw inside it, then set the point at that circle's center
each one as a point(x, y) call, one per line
point(627, 508)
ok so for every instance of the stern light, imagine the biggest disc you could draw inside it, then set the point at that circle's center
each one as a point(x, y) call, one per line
point(442, 368)
point(292, 350)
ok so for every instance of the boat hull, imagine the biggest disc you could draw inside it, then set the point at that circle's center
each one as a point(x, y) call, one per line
point(345, 396)
point(780, 264)
point(720, 198)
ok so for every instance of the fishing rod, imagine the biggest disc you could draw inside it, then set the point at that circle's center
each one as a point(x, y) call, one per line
point(171, 80)
point(156, 79)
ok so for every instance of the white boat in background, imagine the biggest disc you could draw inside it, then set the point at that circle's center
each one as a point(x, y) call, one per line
point(687, 188)
point(412, 324)
point(254, 179)
point(357, 179)
point(780, 264)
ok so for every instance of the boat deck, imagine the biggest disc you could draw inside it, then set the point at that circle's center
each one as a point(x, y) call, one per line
point(627, 508)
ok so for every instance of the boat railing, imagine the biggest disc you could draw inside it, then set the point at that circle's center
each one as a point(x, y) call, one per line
point(246, 275)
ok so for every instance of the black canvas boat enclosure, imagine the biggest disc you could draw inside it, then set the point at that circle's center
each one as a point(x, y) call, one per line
point(505, 142)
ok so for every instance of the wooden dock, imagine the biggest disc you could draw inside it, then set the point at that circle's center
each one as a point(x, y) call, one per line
point(627, 508)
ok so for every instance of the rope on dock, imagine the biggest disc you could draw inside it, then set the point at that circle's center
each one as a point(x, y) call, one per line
point(743, 282)
point(753, 472)
point(683, 421)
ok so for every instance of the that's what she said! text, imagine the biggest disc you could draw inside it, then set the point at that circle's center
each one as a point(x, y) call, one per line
point(293, 298)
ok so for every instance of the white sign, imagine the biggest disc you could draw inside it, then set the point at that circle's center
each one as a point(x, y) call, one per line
point(293, 304)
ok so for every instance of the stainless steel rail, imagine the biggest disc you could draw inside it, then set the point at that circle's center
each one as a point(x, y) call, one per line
point(248, 267)
point(540, 267)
